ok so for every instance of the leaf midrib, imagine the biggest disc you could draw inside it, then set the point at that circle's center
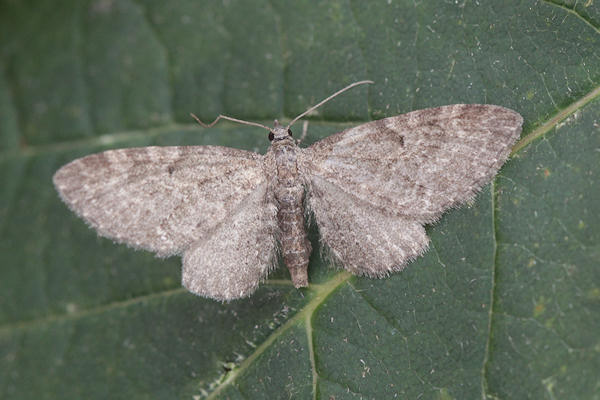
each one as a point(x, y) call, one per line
point(320, 293)
point(553, 121)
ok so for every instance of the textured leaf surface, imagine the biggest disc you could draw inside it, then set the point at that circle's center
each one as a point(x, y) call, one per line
point(504, 305)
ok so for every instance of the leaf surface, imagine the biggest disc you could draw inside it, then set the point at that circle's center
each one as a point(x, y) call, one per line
point(505, 303)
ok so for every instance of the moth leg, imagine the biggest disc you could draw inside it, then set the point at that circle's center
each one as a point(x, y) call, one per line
point(304, 132)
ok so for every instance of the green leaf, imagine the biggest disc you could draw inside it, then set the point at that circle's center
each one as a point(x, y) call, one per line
point(504, 304)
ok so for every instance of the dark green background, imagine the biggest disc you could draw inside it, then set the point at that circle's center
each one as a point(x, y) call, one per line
point(506, 303)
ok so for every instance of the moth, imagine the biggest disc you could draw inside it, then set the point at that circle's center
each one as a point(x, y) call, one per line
point(230, 212)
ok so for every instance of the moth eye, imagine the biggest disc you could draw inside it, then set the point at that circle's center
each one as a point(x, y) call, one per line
point(271, 136)
point(289, 132)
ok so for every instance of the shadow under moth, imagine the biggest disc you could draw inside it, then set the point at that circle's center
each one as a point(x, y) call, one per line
point(230, 212)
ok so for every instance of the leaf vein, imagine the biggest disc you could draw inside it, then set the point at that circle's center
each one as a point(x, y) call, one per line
point(570, 10)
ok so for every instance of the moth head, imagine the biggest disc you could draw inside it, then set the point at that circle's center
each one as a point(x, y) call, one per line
point(279, 132)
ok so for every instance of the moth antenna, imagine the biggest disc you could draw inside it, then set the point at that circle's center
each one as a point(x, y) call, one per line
point(221, 116)
point(326, 100)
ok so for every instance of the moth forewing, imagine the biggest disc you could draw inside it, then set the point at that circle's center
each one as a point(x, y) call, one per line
point(160, 199)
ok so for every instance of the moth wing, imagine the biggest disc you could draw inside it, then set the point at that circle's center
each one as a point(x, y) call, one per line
point(160, 199)
point(421, 163)
point(372, 187)
point(365, 240)
point(237, 255)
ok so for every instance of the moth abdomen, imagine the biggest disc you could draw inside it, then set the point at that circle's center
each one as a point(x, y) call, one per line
point(295, 246)
point(288, 192)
